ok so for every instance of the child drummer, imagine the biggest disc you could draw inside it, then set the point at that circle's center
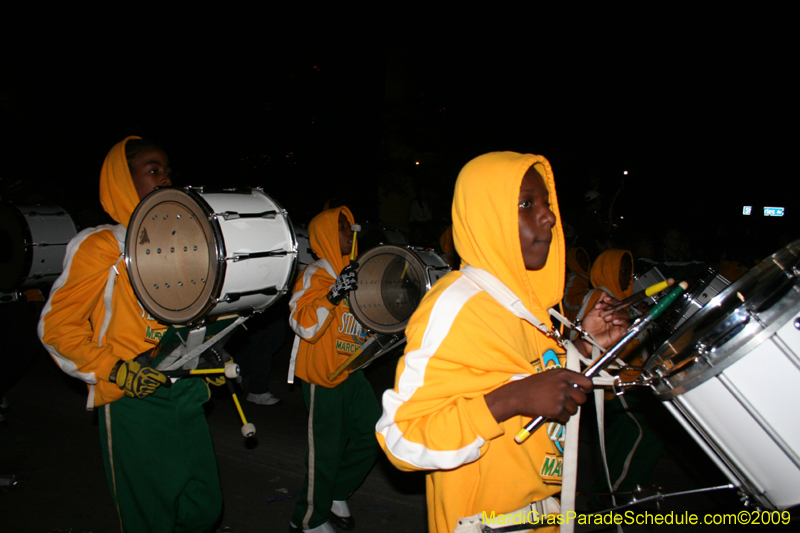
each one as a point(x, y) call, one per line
point(342, 411)
point(474, 373)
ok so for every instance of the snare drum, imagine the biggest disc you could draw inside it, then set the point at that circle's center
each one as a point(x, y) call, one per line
point(33, 243)
point(730, 376)
point(391, 282)
point(192, 254)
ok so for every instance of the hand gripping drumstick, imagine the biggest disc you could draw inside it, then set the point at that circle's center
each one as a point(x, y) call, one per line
point(601, 362)
point(641, 295)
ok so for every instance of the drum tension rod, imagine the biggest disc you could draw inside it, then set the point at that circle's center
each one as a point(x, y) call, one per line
point(232, 215)
point(235, 296)
point(256, 255)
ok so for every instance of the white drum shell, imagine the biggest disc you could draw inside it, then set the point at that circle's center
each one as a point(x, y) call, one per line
point(730, 375)
point(749, 415)
point(49, 230)
point(252, 235)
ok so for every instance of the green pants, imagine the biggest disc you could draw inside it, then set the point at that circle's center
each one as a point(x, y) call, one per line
point(160, 462)
point(341, 445)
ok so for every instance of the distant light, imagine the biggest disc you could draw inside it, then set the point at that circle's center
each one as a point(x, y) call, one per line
point(773, 211)
point(625, 172)
point(416, 163)
point(748, 209)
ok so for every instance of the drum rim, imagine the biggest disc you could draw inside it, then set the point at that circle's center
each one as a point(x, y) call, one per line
point(404, 251)
point(679, 382)
point(219, 257)
point(735, 347)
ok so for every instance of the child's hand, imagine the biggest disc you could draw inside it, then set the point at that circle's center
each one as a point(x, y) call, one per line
point(346, 282)
point(605, 324)
point(552, 394)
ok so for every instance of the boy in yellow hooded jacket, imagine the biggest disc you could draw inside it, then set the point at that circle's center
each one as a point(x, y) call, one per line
point(474, 373)
point(156, 445)
point(341, 412)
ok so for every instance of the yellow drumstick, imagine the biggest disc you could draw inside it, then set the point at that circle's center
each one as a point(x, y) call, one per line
point(356, 228)
point(641, 295)
point(344, 365)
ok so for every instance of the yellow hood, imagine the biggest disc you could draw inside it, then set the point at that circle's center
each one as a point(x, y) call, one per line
point(605, 273)
point(486, 226)
point(572, 261)
point(117, 191)
point(323, 235)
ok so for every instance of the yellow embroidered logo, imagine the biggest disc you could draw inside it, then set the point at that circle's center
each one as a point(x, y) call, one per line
point(346, 347)
point(551, 468)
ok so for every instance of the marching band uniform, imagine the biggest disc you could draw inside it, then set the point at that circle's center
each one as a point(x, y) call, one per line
point(157, 450)
point(462, 344)
point(342, 411)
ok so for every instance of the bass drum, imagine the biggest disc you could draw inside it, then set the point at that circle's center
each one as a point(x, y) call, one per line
point(33, 243)
point(391, 282)
point(730, 376)
point(193, 254)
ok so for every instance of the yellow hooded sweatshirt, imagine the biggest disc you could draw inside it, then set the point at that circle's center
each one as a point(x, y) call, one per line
point(462, 344)
point(327, 334)
point(92, 318)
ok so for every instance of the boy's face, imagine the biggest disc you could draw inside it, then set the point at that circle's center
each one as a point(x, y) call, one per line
point(536, 220)
point(150, 169)
point(345, 235)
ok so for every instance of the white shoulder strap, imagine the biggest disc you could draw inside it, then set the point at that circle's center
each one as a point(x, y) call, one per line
point(504, 296)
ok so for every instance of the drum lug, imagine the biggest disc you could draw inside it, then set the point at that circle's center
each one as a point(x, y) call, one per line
point(233, 215)
point(731, 327)
point(236, 296)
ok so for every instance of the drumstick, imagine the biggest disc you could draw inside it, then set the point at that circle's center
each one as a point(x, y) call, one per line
point(641, 295)
point(248, 429)
point(231, 371)
point(356, 228)
point(601, 362)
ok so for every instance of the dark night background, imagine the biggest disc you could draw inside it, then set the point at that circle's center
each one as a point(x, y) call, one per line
point(699, 104)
